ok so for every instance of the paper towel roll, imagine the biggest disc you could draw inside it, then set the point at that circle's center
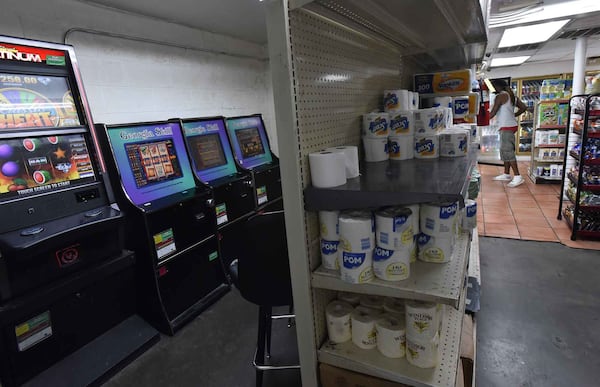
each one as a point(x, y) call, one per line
point(351, 155)
point(391, 336)
point(411, 100)
point(423, 319)
point(375, 125)
point(428, 121)
point(435, 249)
point(442, 102)
point(374, 312)
point(356, 230)
point(328, 225)
point(376, 149)
point(327, 169)
point(422, 354)
point(454, 143)
point(438, 219)
point(363, 330)
point(401, 147)
point(357, 268)
point(416, 210)
point(427, 147)
point(395, 100)
point(470, 215)
point(392, 265)
point(394, 305)
point(338, 314)
point(460, 108)
point(394, 228)
point(330, 253)
point(414, 250)
point(401, 123)
point(372, 301)
point(351, 298)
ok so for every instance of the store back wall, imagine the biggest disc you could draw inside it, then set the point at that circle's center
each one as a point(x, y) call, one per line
point(136, 68)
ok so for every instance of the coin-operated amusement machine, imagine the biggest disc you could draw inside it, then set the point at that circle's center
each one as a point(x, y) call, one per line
point(170, 222)
point(66, 293)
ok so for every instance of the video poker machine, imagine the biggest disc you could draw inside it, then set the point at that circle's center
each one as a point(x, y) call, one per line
point(65, 278)
point(253, 152)
point(170, 222)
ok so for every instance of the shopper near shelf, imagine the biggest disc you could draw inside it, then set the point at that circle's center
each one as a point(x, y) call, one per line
point(506, 118)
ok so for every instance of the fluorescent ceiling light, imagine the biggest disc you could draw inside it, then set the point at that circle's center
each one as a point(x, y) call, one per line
point(511, 61)
point(547, 12)
point(530, 34)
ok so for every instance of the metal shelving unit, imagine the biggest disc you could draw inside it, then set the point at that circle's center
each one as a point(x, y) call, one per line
point(330, 62)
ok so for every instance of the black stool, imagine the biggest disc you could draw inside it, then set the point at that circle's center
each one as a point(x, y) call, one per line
point(262, 275)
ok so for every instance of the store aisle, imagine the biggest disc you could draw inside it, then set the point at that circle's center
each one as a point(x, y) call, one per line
point(539, 317)
point(525, 212)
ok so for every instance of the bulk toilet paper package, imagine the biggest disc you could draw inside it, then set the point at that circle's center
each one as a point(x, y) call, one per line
point(391, 265)
point(338, 315)
point(375, 125)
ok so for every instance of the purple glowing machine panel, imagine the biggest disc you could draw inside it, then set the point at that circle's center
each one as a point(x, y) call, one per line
point(250, 141)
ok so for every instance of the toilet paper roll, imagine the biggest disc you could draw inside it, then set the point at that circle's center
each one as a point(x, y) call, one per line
point(391, 265)
point(338, 314)
point(460, 108)
point(376, 149)
point(414, 250)
point(374, 312)
point(442, 102)
point(330, 253)
point(395, 100)
point(423, 320)
point(394, 228)
point(351, 154)
point(427, 147)
point(438, 219)
point(435, 249)
point(327, 169)
point(422, 354)
point(415, 100)
point(356, 230)
point(401, 123)
point(372, 301)
point(401, 147)
point(454, 143)
point(394, 305)
point(364, 334)
point(375, 125)
point(357, 268)
point(470, 217)
point(391, 336)
point(411, 100)
point(428, 121)
point(416, 210)
point(351, 298)
point(328, 225)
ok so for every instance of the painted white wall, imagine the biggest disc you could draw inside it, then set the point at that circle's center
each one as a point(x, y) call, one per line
point(176, 71)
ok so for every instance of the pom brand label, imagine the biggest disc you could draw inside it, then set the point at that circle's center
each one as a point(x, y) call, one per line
point(353, 260)
point(381, 254)
point(329, 247)
point(423, 239)
point(425, 147)
point(472, 210)
point(461, 107)
point(446, 212)
point(378, 126)
point(399, 221)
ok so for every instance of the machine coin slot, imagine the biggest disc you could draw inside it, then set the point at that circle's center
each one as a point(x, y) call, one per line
point(32, 231)
point(88, 195)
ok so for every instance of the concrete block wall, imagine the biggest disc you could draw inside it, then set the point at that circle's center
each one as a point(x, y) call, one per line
point(135, 68)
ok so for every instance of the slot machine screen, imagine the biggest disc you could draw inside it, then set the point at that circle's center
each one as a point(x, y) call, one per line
point(249, 140)
point(209, 148)
point(151, 159)
point(36, 101)
point(36, 165)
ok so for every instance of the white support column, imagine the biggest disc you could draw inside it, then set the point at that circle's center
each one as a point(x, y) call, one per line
point(579, 65)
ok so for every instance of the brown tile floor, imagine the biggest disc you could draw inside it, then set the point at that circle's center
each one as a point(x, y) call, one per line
point(525, 212)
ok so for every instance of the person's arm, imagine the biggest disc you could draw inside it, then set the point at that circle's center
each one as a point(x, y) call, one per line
point(498, 101)
point(521, 107)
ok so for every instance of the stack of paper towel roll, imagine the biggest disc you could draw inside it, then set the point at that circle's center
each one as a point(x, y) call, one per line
point(333, 166)
point(356, 233)
point(401, 138)
point(423, 323)
point(394, 240)
point(439, 226)
point(375, 133)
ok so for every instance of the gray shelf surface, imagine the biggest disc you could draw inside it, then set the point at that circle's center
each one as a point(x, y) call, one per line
point(434, 282)
point(398, 182)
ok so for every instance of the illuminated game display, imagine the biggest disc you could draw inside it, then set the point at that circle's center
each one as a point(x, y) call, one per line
point(209, 148)
point(152, 160)
point(40, 164)
point(249, 140)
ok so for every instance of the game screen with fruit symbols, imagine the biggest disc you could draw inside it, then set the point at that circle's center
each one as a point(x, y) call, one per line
point(34, 165)
point(209, 148)
point(151, 159)
point(249, 140)
point(36, 101)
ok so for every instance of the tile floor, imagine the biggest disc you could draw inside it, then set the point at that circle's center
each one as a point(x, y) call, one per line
point(525, 212)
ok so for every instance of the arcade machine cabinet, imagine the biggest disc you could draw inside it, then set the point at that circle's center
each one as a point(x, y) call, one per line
point(252, 152)
point(215, 167)
point(170, 222)
point(65, 280)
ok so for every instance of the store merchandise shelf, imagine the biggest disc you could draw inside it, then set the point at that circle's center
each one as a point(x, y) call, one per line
point(398, 182)
point(553, 178)
point(371, 362)
point(583, 207)
point(586, 162)
point(585, 187)
point(551, 127)
point(433, 282)
point(581, 233)
point(595, 134)
point(550, 146)
point(548, 161)
point(593, 113)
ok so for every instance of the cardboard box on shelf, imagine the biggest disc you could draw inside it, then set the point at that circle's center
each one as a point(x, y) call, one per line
point(339, 377)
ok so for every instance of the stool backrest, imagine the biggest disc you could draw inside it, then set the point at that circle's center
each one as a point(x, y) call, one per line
point(263, 268)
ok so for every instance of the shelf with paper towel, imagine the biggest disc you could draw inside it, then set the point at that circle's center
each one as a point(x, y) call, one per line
point(372, 362)
point(433, 282)
point(398, 182)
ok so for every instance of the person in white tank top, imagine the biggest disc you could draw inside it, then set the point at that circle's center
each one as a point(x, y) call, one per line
point(506, 118)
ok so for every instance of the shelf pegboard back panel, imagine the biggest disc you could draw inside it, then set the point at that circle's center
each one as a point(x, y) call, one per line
point(321, 298)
